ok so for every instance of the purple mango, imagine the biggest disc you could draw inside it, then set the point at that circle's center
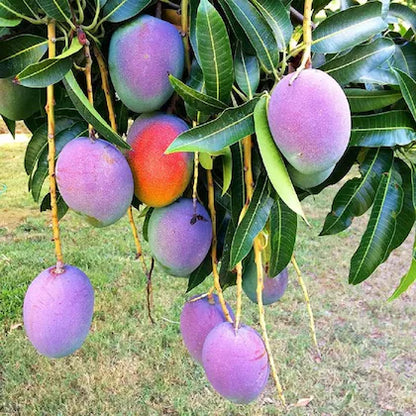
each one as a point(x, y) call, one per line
point(95, 180)
point(179, 236)
point(142, 54)
point(198, 318)
point(310, 120)
point(236, 363)
point(57, 311)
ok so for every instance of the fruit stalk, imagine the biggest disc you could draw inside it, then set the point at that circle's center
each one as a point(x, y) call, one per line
point(308, 306)
point(51, 152)
point(195, 184)
point(185, 33)
point(88, 79)
point(217, 284)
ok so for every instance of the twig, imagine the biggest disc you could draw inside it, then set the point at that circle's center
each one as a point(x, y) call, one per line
point(185, 33)
point(298, 17)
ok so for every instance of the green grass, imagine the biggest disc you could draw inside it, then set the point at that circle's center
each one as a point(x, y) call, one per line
point(129, 367)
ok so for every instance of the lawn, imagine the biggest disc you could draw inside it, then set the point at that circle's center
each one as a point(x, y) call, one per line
point(128, 366)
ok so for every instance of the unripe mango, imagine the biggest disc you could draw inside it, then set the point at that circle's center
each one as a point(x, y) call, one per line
point(310, 120)
point(159, 179)
point(143, 52)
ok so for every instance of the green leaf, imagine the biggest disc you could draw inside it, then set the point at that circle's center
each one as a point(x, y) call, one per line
point(379, 75)
point(44, 73)
point(348, 28)
point(227, 169)
point(62, 206)
point(231, 126)
point(387, 129)
point(362, 101)
point(227, 277)
point(277, 16)
point(89, 113)
point(11, 8)
point(119, 10)
point(247, 72)
point(196, 99)
point(377, 237)
point(11, 126)
point(9, 22)
point(408, 89)
point(56, 9)
point(403, 12)
point(359, 61)
point(20, 51)
point(357, 195)
point(238, 188)
point(408, 279)
point(201, 273)
point(196, 81)
point(214, 51)
point(283, 227)
point(193, 9)
point(273, 161)
point(258, 32)
point(145, 229)
point(252, 223)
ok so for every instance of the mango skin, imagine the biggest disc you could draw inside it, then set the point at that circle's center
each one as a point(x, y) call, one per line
point(142, 54)
point(198, 318)
point(310, 120)
point(159, 179)
point(178, 239)
point(95, 180)
point(273, 287)
point(57, 311)
point(236, 364)
point(308, 180)
point(17, 102)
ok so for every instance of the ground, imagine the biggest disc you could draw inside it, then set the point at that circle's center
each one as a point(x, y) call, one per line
point(129, 367)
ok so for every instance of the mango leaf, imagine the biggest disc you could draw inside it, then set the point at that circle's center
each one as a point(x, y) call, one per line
point(11, 8)
point(257, 31)
point(362, 101)
point(89, 113)
point(403, 12)
point(214, 51)
point(145, 229)
point(277, 16)
point(227, 169)
point(231, 126)
point(196, 99)
point(283, 227)
point(273, 161)
point(238, 189)
point(348, 28)
point(252, 223)
point(408, 279)
point(20, 51)
point(201, 273)
point(193, 9)
point(62, 206)
point(247, 72)
point(381, 226)
point(379, 75)
point(357, 195)
point(11, 126)
point(56, 9)
point(119, 10)
point(387, 129)
point(227, 277)
point(196, 81)
point(359, 61)
point(9, 22)
point(408, 89)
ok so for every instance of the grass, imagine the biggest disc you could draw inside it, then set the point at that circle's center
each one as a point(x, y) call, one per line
point(129, 367)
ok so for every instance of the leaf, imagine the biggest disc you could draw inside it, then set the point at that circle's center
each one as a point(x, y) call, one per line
point(362, 101)
point(387, 129)
point(11, 126)
point(201, 273)
point(214, 51)
point(247, 72)
point(119, 10)
point(11, 8)
point(357, 195)
point(57, 9)
point(348, 28)
point(408, 89)
point(227, 277)
point(44, 73)
point(20, 51)
point(277, 16)
point(257, 31)
point(9, 22)
point(403, 12)
point(273, 162)
point(377, 237)
point(145, 229)
point(62, 206)
point(408, 279)
point(283, 227)
point(359, 61)
point(380, 76)
point(196, 81)
point(193, 9)
point(231, 126)
point(89, 113)
point(197, 100)
point(252, 223)
point(227, 169)
point(238, 188)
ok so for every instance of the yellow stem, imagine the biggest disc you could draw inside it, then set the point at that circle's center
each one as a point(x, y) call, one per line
point(308, 306)
point(88, 79)
point(106, 87)
point(185, 33)
point(211, 203)
point(51, 152)
point(195, 185)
